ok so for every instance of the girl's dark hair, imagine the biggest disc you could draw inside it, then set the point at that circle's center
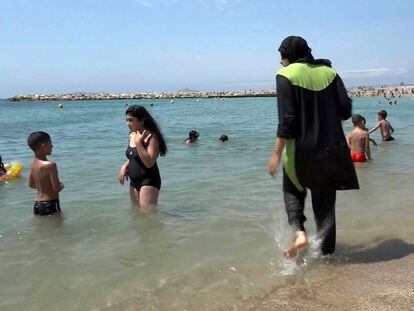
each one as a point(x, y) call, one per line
point(142, 114)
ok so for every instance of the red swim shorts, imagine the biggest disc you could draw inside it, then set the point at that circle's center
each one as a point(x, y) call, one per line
point(358, 157)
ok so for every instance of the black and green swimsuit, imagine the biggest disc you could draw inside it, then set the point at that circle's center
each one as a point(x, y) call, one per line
point(312, 102)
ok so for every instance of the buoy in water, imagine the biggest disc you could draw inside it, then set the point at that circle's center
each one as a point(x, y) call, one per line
point(60, 106)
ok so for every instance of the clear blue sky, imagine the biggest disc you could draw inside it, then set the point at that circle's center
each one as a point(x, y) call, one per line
point(58, 46)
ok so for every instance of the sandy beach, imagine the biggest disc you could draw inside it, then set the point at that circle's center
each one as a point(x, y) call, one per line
point(377, 278)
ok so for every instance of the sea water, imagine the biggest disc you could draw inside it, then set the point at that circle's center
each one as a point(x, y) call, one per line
point(219, 235)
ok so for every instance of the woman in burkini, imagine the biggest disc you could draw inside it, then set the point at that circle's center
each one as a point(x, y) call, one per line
point(146, 143)
point(312, 102)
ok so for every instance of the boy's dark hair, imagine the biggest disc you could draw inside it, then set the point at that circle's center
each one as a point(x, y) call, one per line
point(35, 139)
point(382, 113)
point(356, 118)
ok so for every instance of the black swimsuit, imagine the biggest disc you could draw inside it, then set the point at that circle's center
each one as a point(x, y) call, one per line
point(139, 174)
point(44, 208)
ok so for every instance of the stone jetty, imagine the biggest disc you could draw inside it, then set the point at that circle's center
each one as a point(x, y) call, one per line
point(383, 91)
point(164, 95)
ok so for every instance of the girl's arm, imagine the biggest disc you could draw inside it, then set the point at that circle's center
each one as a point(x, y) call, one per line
point(122, 172)
point(150, 154)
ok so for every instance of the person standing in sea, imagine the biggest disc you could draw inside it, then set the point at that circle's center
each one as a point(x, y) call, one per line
point(146, 143)
point(312, 102)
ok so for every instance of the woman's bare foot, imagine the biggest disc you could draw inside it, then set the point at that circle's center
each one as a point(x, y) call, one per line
point(300, 241)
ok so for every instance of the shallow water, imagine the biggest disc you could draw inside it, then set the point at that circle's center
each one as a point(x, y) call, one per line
point(222, 224)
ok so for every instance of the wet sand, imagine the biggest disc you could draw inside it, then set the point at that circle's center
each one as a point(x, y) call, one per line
point(379, 277)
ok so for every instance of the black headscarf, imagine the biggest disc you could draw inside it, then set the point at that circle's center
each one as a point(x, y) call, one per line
point(296, 50)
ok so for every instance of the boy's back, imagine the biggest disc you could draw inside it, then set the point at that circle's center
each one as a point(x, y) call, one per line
point(385, 127)
point(358, 142)
point(43, 177)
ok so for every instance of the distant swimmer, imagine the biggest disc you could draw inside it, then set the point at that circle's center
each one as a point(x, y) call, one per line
point(60, 106)
point(192, 137)
point(223, 138)
point(172, 101)
point(385, 126)
point(358, 140)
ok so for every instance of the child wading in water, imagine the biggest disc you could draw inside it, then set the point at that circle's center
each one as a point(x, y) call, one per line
point(43, 175)
point(384, 125)
point(146, 143)
point(358, 140)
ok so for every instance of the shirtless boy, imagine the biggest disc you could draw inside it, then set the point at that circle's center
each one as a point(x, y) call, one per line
point(384, 125)
point(43, 175)
point(358, 140)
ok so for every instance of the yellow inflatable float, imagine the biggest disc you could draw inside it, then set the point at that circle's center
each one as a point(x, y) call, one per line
point(13, 170)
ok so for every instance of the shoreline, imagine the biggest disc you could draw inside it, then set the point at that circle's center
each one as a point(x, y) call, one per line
point(387, 92)
point(377, 278)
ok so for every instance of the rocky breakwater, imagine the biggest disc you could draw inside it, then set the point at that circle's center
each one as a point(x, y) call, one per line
point(119, 96)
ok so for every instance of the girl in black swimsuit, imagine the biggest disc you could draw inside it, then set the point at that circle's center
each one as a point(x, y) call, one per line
point(146, 142)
